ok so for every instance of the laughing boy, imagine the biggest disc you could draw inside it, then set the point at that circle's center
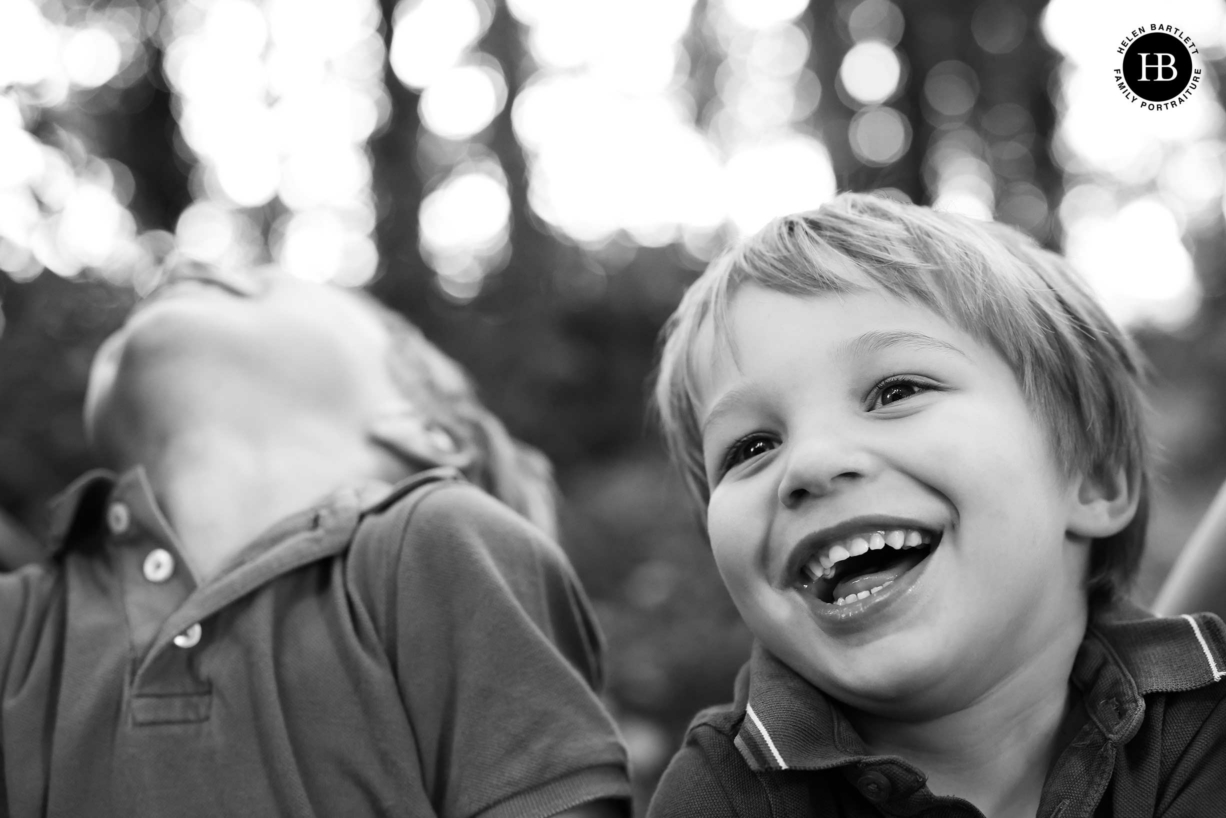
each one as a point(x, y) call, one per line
point(918, 441)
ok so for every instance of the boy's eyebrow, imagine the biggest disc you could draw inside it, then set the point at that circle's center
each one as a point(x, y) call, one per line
point(725, 404)
point(872, 341)
point(878, 340)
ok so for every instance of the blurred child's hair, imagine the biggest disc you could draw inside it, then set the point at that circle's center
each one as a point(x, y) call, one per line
point(1076, 368)
point(442, 391)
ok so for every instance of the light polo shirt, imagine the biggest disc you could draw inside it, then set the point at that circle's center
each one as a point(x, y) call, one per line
point(405, 652)
point(1148, 739)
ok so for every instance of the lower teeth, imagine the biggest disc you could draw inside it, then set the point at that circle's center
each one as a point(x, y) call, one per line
point(850, 598)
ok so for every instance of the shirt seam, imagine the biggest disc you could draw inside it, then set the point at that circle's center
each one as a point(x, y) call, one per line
point(416, 497)
point(613, 769)
point(603, 786)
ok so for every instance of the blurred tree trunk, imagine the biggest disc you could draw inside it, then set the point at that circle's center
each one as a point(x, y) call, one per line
point(141, 132)
point(53, 327)
point(943, 30)
point(833, 116)
point(404, 280)
point(933, 33)
point(521, 306)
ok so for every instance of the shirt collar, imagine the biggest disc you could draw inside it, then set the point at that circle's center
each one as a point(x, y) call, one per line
point(79, 514)
point(86, 520)
point(83, 496)
point(788, 722)
point(1126, 654)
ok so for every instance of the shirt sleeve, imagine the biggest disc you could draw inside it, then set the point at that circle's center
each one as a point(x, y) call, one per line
point(693, 785)
point(497, 656)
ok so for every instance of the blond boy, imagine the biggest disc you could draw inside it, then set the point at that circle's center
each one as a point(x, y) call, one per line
point(918, 442)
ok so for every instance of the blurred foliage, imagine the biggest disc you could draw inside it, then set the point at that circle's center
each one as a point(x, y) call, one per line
point(560, 331)
point(51, 330)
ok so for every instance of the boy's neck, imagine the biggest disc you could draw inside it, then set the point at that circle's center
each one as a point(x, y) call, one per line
point(220, 489)
point(995, 752)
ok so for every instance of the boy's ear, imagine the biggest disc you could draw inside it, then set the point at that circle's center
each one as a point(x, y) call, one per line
point(412, 437)
point(1104, 504)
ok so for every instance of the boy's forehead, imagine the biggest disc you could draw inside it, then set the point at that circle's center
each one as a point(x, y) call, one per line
point(745, 314)
point(762, 330)
point(716, 356)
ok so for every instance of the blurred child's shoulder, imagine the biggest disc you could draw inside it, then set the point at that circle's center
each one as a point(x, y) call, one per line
point(439, 513)
point(438, 498)
point(381, 502)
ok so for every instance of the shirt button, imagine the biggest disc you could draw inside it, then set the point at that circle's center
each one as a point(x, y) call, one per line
point(159, 565)
point(190, 637)
point(118, 518)
point(875, 786)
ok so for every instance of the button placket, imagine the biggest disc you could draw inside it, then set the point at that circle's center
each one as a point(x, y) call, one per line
point(118, 518)
point(190, 637)
point(875, 786)
point(158, 566)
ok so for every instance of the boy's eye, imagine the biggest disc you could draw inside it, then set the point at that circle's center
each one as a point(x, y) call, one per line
point(896, 389)
point(746, 448)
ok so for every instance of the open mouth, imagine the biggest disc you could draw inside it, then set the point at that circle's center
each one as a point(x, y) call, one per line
point(852, 568)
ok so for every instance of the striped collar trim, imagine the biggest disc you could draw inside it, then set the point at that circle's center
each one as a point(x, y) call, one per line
point(1160, 654)
point(789, 723)
point(763, 738)
point(1211, 660)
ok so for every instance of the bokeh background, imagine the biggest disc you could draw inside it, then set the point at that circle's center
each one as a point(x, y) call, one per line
point(535, 182)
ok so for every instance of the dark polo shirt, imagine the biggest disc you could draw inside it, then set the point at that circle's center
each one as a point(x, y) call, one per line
point(411, 651)
point(1148, 739)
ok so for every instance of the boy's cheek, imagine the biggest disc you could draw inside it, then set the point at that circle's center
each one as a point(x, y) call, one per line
point(731, 561)
point(736, 545)
point(734, 513)
point(767, 612)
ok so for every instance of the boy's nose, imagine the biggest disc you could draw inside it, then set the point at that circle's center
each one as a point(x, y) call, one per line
point(816, 468)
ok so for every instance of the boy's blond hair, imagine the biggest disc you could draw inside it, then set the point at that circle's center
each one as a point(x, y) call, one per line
point(1076, 368)
point(442, 391)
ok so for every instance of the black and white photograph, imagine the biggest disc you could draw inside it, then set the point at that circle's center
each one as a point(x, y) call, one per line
point(597, 408)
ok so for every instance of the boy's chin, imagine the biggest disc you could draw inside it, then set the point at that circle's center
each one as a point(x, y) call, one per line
point(912, 699)
point(913, 682)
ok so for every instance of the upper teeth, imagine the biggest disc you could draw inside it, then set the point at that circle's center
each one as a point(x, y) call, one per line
point(822, 564)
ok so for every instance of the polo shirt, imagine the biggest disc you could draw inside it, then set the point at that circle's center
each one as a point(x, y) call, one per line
point(413, 651)
point(1148, 738)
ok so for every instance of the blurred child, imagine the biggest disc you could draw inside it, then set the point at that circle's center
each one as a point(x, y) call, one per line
point(919, 444)
point(275, 603)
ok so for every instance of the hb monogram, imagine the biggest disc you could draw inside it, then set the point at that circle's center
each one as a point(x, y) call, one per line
point(1163, 63)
